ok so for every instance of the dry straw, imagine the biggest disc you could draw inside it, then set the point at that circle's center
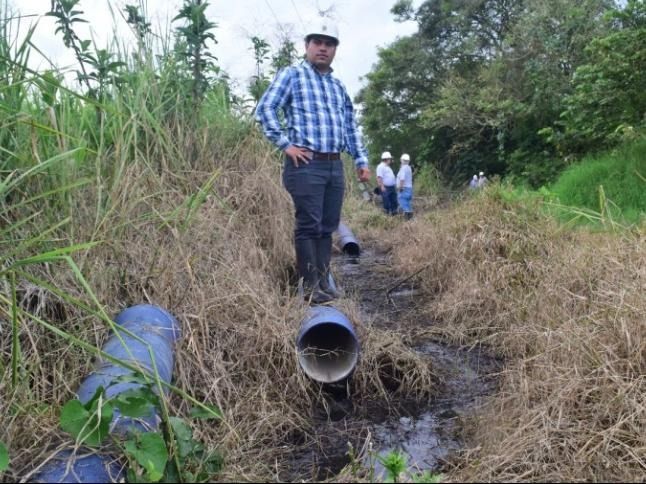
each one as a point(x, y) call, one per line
point(567, 312)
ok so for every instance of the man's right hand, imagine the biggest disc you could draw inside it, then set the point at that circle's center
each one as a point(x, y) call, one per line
point(298, 154)
point(363, 174)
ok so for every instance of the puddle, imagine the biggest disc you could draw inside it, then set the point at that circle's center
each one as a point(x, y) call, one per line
point(424, 440)
point(429, 438)
point(410, 293)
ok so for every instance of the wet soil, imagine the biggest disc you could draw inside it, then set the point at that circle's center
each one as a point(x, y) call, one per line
point(429, 435)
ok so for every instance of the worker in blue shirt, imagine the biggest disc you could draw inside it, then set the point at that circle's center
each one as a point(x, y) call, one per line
point(320, 124)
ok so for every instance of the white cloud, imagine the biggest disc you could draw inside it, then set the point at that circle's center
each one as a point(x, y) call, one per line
point(364, 26)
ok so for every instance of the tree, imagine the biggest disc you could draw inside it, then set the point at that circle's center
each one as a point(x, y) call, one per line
point(196, 32)
point(476, 86)
point(401, 84)
point(259, 82)
point(285, 56)
point(608, 94)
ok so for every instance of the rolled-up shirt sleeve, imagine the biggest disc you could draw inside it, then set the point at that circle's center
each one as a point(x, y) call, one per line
point(274, 99)
point(353, 141)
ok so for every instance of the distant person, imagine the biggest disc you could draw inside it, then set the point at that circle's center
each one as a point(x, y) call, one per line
point(405, 186)
point(473, 183)
point(319, 123)
point(387, 183)
point(482, 180)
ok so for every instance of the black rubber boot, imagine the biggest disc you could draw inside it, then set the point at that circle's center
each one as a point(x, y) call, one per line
point(307, 270)
point(323, 256)
point(408, 215)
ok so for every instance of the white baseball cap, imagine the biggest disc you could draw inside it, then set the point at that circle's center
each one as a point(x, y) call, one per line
point(386, 155)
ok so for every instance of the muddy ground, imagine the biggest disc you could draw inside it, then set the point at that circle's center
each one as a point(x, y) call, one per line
point(429, 434)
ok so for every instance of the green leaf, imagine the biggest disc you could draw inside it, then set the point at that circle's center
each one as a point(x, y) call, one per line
point(4, 458)
point(135, 403)
point(74, 417)
point(213, 463)
point(87, 423)
point(183, 436)
point(149, 450)
point(210, 412)
point(172, 474)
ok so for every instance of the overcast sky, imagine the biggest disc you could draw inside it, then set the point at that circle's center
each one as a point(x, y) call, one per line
point(364, 26)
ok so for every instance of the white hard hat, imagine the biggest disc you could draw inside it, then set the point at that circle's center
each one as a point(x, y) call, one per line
point(386, 155)
point(324, 27)
point(482, 173)
point(405, 157)
point(475, 177)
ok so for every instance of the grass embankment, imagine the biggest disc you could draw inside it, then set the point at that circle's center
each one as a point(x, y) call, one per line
point(566, 311)
point(221, 266)
point(613, 183)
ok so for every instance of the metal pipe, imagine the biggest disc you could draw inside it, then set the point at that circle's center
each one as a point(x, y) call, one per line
point(158, 331)
point(327, 345)
point(347, 241)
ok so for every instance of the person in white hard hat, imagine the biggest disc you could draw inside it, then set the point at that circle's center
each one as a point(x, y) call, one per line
point(473, 183)
point(405, 186)
point(320, 124)
point(482, 180)
point(387, 183)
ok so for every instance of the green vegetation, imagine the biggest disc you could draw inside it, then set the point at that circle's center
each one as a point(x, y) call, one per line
point(614, 182)
point(513, 88)
point(395, 467)
point(427, 180)
point(173, 455)
point(4, 458)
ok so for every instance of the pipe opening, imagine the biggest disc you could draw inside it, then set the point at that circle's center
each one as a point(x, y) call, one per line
point(352, 248)
point(328, 352)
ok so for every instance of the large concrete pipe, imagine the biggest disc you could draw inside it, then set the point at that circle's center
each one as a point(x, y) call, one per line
point(348, 243)
point(327, 345)
point(157, 331)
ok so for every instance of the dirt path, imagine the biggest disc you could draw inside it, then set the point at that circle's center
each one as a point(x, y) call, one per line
point(429, 434)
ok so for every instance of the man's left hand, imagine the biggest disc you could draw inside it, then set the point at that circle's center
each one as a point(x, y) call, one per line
point(363, 173)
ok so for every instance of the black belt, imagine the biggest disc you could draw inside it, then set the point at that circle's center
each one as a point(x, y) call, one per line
point(317, 155)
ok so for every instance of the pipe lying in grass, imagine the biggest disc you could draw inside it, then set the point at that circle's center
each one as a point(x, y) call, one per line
point(327, 345)
point(157, 331)
point(347, 241)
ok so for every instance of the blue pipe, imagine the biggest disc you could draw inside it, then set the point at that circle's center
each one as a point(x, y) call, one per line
point(159, 330)
point(327, 345)
point(347, 241)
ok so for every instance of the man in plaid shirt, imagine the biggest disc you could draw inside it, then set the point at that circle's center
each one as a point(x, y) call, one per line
point(320, 124)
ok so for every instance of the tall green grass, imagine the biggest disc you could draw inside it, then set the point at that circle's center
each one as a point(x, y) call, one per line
point(613, 183)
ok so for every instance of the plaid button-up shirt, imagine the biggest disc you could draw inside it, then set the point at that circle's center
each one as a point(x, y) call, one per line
point(318, 113)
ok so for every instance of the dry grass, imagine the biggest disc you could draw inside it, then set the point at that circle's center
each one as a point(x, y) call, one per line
point(225, 277)
point(567, 312)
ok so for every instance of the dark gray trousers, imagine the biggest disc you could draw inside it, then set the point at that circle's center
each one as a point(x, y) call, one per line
point(317, 191)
